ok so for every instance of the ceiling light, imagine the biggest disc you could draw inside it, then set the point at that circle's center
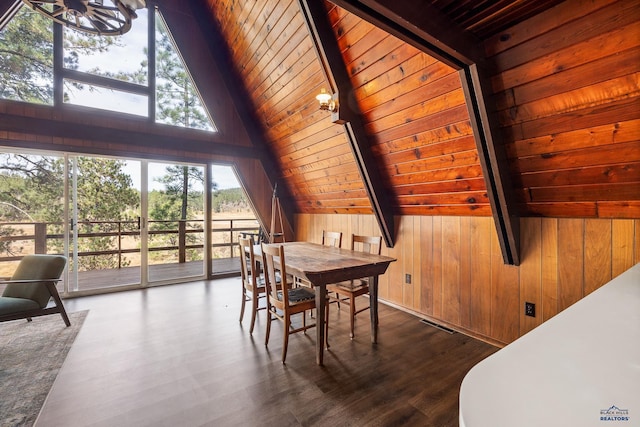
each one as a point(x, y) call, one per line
point(91, 17)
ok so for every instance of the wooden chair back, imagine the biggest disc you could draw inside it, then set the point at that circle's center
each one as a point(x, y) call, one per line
point(247, 261)
point(332, 238)
point(272, 270)
point(257, 238)
point(251, 281)
point(368, 244)
point(283, 301)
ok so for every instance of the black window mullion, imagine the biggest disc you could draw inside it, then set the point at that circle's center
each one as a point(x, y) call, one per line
point(107, 82)
point(151, 60)
point(58, 66)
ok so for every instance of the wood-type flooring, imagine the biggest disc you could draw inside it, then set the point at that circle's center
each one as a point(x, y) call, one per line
point(177, 356)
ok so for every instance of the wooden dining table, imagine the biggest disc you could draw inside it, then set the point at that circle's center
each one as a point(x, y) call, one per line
point(322, 265)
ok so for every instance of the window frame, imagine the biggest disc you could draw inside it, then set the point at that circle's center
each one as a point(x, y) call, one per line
point(60, 73)
point(148, 90)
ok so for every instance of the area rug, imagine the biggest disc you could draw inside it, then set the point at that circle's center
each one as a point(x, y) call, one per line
point(31, 354)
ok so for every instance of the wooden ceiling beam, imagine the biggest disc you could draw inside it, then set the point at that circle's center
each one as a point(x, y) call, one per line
point(493, 159)
point(349, 114)
point(430, 31)
point(8, 8)
point(53, 128)
point(422, 26)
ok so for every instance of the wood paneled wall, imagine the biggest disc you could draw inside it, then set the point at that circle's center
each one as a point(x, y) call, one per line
point(274, 55)
point(458, 277)
point(415, 115)
point(567, 86)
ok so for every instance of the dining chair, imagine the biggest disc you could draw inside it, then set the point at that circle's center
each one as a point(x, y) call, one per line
point(257, 238)
point(332, 238)
point(284, 301)
point(347, 292)
point(329, 238)
point(253, 286)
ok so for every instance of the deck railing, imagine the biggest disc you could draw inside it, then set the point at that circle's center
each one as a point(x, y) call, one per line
point(41, 236)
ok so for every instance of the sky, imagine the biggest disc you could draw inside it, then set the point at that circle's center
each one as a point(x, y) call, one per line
point(128, 58)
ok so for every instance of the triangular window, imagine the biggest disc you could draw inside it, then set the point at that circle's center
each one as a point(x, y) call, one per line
point(26, 57)
point(103, 72)
point(178, 102)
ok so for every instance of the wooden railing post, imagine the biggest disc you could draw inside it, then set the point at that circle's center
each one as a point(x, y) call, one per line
point(182, 241)
point(119, 244)
point(40, 233)
point(231, 238)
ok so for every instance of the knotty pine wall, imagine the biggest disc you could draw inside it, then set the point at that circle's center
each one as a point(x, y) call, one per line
point(567, 91)
point(418, 126)
point(459, 278)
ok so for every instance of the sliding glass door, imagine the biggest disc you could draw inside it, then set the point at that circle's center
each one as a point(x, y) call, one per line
point(175, 231)
point(32, 209)
point(122, 223)
point(134, 222)
point(104, 209)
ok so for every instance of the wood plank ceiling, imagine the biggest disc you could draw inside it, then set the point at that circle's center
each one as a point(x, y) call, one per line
point(413, 106)
point(414, 111)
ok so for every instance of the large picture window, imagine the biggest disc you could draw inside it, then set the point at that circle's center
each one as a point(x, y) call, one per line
point(122, 222)
point(100, 72)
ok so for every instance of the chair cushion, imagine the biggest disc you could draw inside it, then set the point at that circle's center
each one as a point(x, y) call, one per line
point(34, 267)
point(9, 305)
point(301, 294)
point(298, 295)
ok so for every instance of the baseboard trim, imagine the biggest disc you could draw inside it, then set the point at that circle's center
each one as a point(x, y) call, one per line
point(447, 325)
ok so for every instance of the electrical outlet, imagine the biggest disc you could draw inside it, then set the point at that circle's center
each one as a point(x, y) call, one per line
point(529, 309)
point(407, 278)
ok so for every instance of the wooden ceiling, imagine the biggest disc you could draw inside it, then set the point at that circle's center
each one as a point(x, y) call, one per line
point(486, 18)
point(565, 107)
point(413, 107)
point(554, 130)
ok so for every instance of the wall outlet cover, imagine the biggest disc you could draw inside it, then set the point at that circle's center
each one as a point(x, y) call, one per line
point(529, 309)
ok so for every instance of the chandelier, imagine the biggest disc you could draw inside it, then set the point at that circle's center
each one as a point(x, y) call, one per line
point(90, 16)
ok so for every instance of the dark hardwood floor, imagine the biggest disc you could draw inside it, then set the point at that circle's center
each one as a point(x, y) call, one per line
point(177, 356)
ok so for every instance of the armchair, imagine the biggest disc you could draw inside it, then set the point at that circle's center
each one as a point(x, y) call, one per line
point(31, 287)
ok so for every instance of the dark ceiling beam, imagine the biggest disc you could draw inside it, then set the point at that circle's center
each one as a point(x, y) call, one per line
point(349, 114)
point(421, 25)
point(61, 129)
point(493, 159)
point(429, 30)
point(241, 100)
point(8, 8)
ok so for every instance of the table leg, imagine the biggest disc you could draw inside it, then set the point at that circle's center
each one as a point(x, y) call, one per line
point(373, 307)
point(321, 300)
